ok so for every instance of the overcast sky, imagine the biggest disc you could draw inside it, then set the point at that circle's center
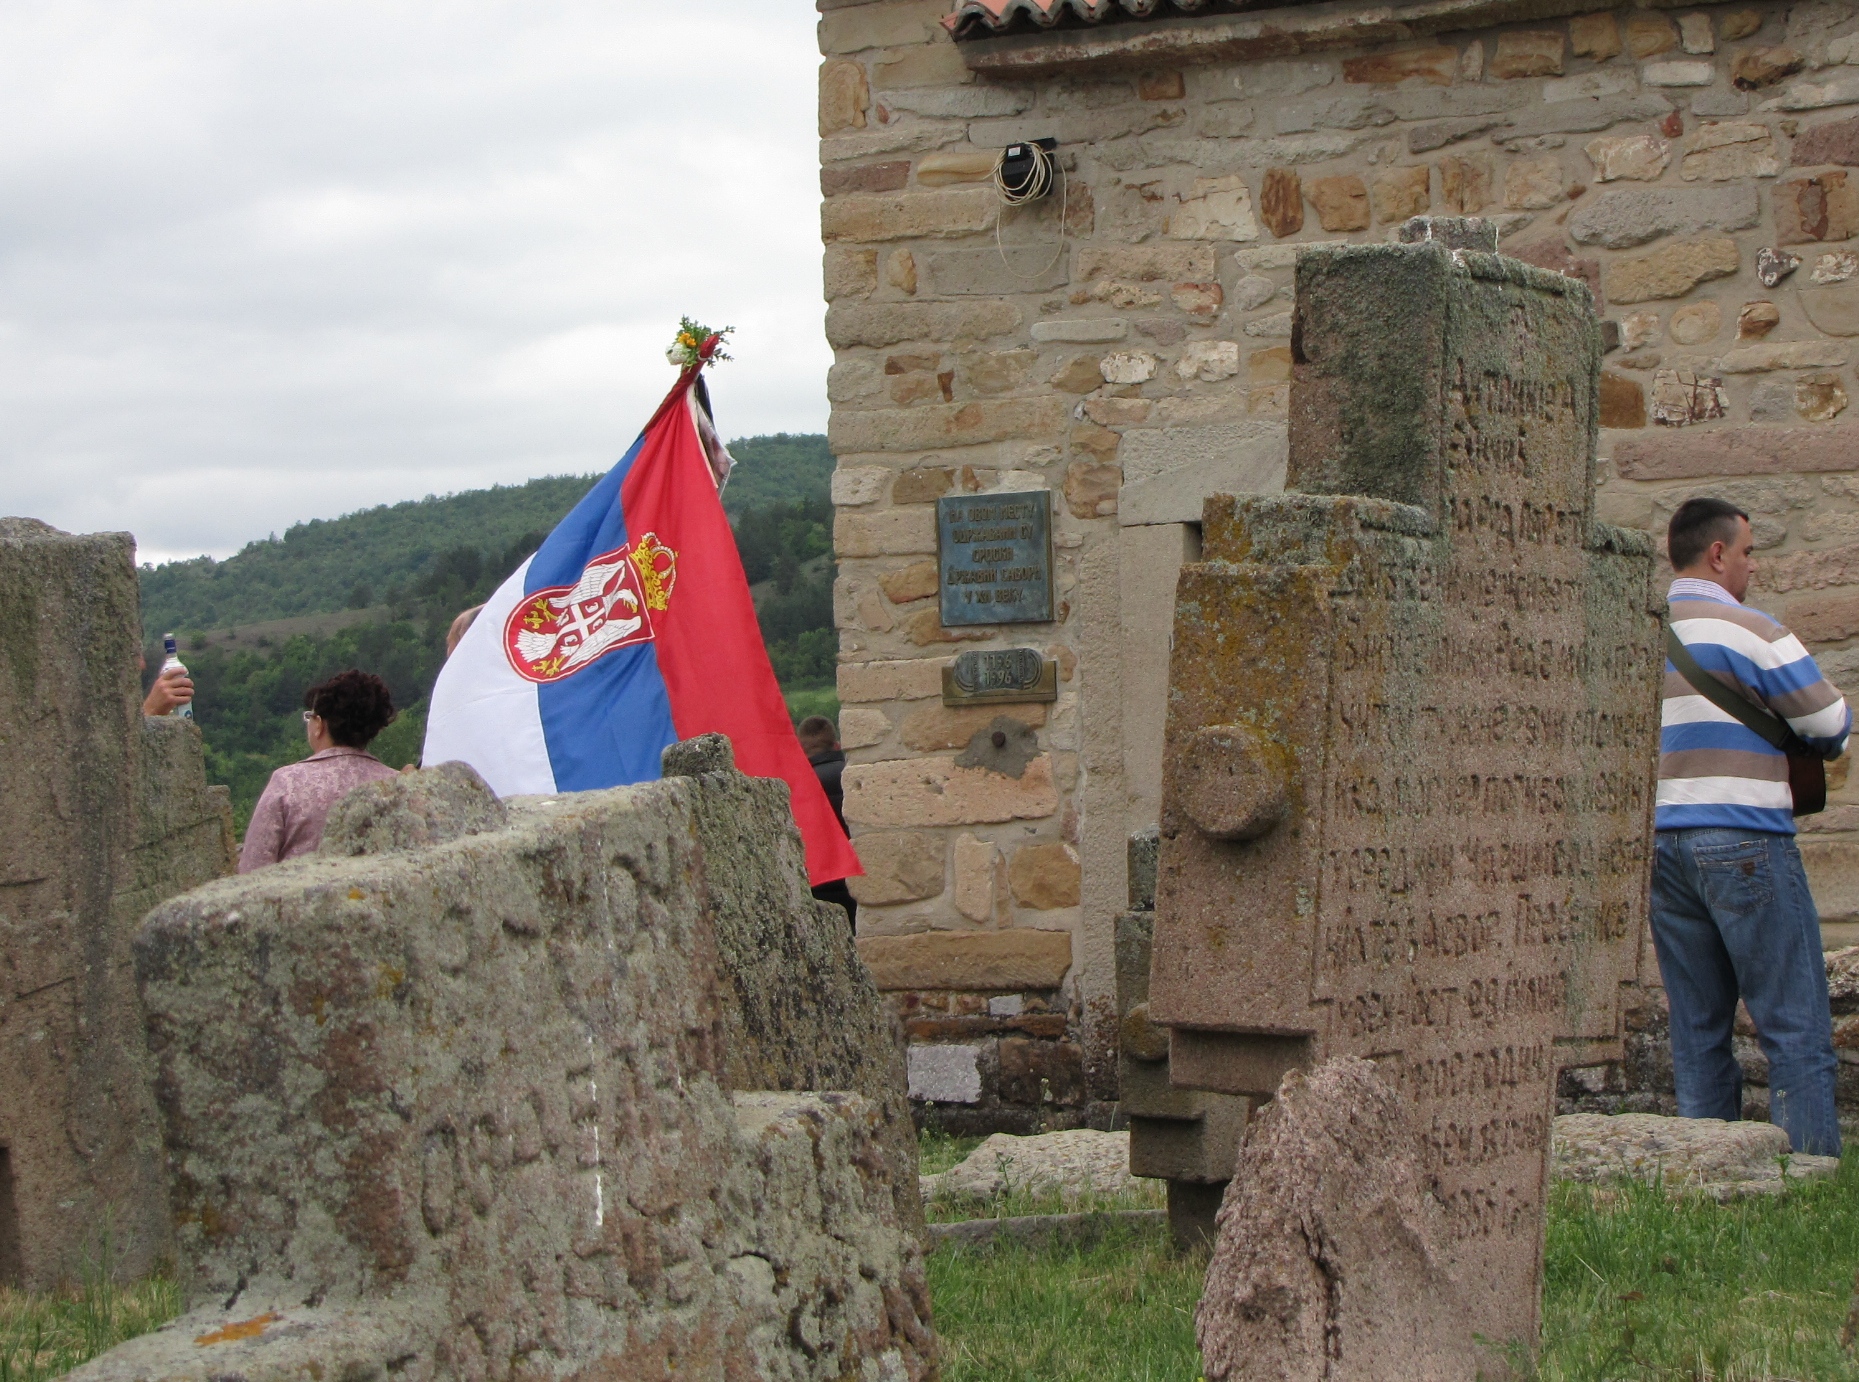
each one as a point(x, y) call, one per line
point(268, 262)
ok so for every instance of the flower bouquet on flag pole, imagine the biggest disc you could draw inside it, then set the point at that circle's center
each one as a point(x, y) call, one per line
point(632, 627)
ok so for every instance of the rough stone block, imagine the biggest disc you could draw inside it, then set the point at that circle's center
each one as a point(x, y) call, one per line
point(1640, 157)
point(1464, 185)
point(1838, 91)
point(845, 96)
point(895, 532)
point(1623, 219)
point(1535, 183)
point(1817, 208)
point(1744, 451)
point(1759, 67)
point(1215, 209)
point(907, 215)
point(1146, 263)
point(1438, 65)
point(1341, 202)
point(1333, 1160)
point(998, 961)
point(1528, 53)
point(1649, 35)
point(1081, 331)
point(1594, 36)
point(838, 179)
point(983, 271)
point(1834, 142)
point(934, 791)
point(900, 866)
point(1771, 355)
point(1671, 271)
point(1400, 193)
point(1678, 73)
point(889, 323)
point(948, 424)
point(1723, 152)
point(1045, 877)
point(945, 1074)
point(415, 810)
point(1281, 202)
point(912, 679)
point(1623, 402)
point(1696, 322)
point(620, 1087)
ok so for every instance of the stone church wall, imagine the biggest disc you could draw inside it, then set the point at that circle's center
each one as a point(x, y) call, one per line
point(1126, 344)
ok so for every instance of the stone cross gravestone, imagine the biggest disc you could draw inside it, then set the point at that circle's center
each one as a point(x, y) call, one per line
point(1412, 728)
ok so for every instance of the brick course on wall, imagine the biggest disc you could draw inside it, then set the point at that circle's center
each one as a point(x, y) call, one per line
point(1125, 343)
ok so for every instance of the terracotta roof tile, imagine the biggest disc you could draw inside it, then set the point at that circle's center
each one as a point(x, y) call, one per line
point(981, 18)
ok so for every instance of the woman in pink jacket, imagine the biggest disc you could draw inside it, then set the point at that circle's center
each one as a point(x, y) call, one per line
point(340, 719)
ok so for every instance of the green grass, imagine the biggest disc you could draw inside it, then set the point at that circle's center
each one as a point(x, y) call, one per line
point(1640, 1286)
point(1636, 1286)
point(1122, 1311)
point(823, 700)
point(42, 1336)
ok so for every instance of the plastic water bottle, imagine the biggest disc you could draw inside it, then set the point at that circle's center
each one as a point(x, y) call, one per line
point(173, 663)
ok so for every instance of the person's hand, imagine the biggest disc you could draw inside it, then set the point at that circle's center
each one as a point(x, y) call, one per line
point(170, 691)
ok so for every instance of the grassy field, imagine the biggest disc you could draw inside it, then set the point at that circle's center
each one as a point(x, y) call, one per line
point(42, 1336)
point(1636, 1287)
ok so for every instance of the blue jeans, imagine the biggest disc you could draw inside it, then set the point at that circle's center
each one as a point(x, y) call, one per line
point(1732, 916)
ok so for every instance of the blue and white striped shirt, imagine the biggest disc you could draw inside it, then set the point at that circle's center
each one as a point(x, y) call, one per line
point(1714, 770)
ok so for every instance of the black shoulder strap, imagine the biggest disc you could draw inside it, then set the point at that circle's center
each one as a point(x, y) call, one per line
point(1773, 729)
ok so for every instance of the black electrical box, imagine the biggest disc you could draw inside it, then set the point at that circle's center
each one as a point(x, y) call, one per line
point(1026, 169)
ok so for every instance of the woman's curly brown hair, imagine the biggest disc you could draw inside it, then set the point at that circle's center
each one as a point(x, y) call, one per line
point(354, 705)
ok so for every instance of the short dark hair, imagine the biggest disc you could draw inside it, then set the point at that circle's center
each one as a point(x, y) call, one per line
point(817, 729)
point(355, 705)
point(1697, 524)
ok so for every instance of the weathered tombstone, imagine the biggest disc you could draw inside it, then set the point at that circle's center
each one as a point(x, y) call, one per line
point(1411, 739)
point(580, 1086)
point(104, 814)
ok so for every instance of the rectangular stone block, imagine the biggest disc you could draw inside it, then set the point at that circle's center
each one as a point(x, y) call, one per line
point(889, 533)
point(907, 215)
point(1736, 451)
point(1147, 263)
point(952, 272)
point(912, 680)
point(882, 324)
point(952, 424)
point(1169, 472)
point(970, 961)
point(934, 791)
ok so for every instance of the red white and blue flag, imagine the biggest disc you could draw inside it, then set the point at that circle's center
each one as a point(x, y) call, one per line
point(632, 627)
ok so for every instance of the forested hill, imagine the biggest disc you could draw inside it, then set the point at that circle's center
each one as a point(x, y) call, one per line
point(368, 557)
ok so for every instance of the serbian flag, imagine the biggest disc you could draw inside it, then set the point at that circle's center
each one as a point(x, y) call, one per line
point(629, 629)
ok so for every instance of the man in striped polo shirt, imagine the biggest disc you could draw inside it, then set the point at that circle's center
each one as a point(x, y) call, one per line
point(1731, 912)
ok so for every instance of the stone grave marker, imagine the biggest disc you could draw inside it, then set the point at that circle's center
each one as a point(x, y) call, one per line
point(1412, 735)
point(104, 814)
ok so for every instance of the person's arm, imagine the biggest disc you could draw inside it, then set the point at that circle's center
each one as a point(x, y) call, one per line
point(1779, 669)
point(264, 837)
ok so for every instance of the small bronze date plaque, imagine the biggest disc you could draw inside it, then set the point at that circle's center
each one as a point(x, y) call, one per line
point(1000, 677)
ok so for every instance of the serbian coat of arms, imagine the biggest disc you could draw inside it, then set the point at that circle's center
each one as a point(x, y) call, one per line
point(556, 632)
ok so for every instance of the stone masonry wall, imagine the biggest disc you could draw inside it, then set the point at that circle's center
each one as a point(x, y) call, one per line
point(1126, 344)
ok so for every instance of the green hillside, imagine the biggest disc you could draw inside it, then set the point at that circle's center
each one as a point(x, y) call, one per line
point(355, 561)
point(377, 590)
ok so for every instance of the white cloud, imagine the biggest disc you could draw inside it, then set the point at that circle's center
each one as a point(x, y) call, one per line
point(273, 262)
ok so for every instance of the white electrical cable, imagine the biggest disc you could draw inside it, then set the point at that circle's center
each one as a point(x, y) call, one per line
point(1035, 187)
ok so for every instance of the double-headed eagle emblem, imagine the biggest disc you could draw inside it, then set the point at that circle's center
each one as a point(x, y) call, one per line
point(556, 632)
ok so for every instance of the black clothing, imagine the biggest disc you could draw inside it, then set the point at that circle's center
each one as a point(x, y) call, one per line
point(829, 765)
